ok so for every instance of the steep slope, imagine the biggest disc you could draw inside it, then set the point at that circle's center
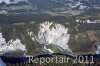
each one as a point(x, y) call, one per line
point(34, 39)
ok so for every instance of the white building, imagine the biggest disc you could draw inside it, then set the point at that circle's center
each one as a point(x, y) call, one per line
point(11, 1)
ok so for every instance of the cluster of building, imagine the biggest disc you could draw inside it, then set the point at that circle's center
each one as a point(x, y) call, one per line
point(11, 1)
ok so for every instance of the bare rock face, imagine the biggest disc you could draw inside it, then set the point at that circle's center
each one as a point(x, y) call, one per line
point(12, 45)
point(35, 39)
point(45, 38)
